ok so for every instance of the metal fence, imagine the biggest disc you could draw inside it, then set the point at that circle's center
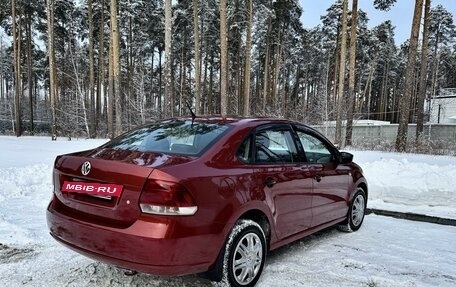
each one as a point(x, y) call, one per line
point(388, 133)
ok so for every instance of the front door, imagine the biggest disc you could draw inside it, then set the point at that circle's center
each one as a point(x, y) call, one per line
point(330, 179)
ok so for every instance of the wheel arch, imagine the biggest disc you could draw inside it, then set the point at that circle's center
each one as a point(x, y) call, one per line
point(259, 217)
point(363, 185)
point(255, 214)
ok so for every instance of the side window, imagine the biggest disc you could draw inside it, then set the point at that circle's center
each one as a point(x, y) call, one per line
point(315, 150)
point(274, 146)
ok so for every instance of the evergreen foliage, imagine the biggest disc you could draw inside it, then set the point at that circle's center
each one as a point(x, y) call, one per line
point(293, 72)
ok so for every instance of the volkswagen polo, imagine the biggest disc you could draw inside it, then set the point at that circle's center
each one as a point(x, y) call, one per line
point(207, 195)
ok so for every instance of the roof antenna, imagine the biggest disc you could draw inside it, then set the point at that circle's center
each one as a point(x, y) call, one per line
point(191, 112)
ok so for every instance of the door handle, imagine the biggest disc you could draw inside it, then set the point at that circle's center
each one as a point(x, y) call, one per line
point(318, 177)
point(270, 182)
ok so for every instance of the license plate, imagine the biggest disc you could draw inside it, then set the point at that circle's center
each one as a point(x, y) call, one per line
point(92, 188)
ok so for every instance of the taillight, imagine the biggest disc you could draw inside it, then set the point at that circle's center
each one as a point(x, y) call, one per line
point(166, 198)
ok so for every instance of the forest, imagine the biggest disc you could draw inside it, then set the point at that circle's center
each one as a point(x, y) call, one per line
point(97, 68)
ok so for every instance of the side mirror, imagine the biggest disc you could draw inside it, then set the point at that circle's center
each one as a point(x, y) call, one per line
point(346, 157)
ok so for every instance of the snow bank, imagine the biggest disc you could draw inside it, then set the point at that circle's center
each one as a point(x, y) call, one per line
point(422, 184)
point(26, 185)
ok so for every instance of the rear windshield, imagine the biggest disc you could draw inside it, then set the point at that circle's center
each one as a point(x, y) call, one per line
point(172, 136)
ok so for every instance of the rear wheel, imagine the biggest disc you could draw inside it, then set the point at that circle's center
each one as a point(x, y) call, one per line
point(356, 212)
point(244, 255)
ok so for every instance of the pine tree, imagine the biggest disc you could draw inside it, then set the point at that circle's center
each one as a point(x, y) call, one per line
point(223, 58)
point(17, 31)
point(351, 77)
point(52, 67)
point(340, 89)
point(401, 139)
point(441, 30)
point(197, 58)
point(168, 99)
point(423, 73)
point(91, 71)
point(248, 47)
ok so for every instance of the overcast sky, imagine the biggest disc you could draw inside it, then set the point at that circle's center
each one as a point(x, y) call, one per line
point(400, 14)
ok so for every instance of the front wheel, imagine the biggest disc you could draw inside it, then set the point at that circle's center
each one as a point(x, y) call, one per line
point(245, 254)
point(356, 212)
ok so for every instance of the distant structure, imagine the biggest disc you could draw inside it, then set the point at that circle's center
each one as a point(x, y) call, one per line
point(443, 107)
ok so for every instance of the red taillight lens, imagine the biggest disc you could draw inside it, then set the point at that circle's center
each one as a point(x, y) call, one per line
point(166, 198)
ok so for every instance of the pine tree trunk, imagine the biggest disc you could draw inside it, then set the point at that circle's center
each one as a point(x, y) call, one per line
point(160, 80)
point(52, 68)
point(368, 89)
point(130, 100)
point(116, 67)
point(17, 68)
point(204, 109)
point(333, 102)
point(266, 69)
point(29, 70)
point(210, 95)
point(340, 98)
point(401, 139)
point(352, 74)
point(92, 131)
point(248, 47)
point(181, 80)
point(223, 58)
point(110, 102)
point(197, 58)
point(101, 74)
point(169, 108)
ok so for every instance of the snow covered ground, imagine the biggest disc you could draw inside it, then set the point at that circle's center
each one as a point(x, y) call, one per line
point(384, 252)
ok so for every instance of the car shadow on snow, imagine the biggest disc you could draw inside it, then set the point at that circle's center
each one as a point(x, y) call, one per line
point(299, 263)
point(100, 274)
point(306, 243)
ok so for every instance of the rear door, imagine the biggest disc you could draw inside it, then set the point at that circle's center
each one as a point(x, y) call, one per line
point(330, 179)
point(286, 180)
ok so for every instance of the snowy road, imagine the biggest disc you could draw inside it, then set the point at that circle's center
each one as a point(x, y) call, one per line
point(384, 252)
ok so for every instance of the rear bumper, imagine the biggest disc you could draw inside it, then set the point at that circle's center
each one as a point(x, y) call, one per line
point(155, 245)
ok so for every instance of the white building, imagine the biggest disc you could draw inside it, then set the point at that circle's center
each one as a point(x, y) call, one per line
point(443, 107)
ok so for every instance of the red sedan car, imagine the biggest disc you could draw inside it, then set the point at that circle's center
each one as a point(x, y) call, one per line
point(205, 195)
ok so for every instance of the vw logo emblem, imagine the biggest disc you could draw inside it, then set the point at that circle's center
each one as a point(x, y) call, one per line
point(85, 168)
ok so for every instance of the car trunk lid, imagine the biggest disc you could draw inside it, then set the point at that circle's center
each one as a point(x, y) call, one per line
point(125, 169)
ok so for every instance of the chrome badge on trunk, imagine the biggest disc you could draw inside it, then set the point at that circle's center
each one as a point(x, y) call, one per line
point(85, 168)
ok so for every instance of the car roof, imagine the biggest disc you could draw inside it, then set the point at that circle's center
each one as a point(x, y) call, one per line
point(236, 120)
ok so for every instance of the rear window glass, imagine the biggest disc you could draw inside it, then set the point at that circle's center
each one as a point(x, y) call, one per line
point(180, 137)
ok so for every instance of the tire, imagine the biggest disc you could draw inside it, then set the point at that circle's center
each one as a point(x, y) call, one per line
point(243, 255)
point(356, 212)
